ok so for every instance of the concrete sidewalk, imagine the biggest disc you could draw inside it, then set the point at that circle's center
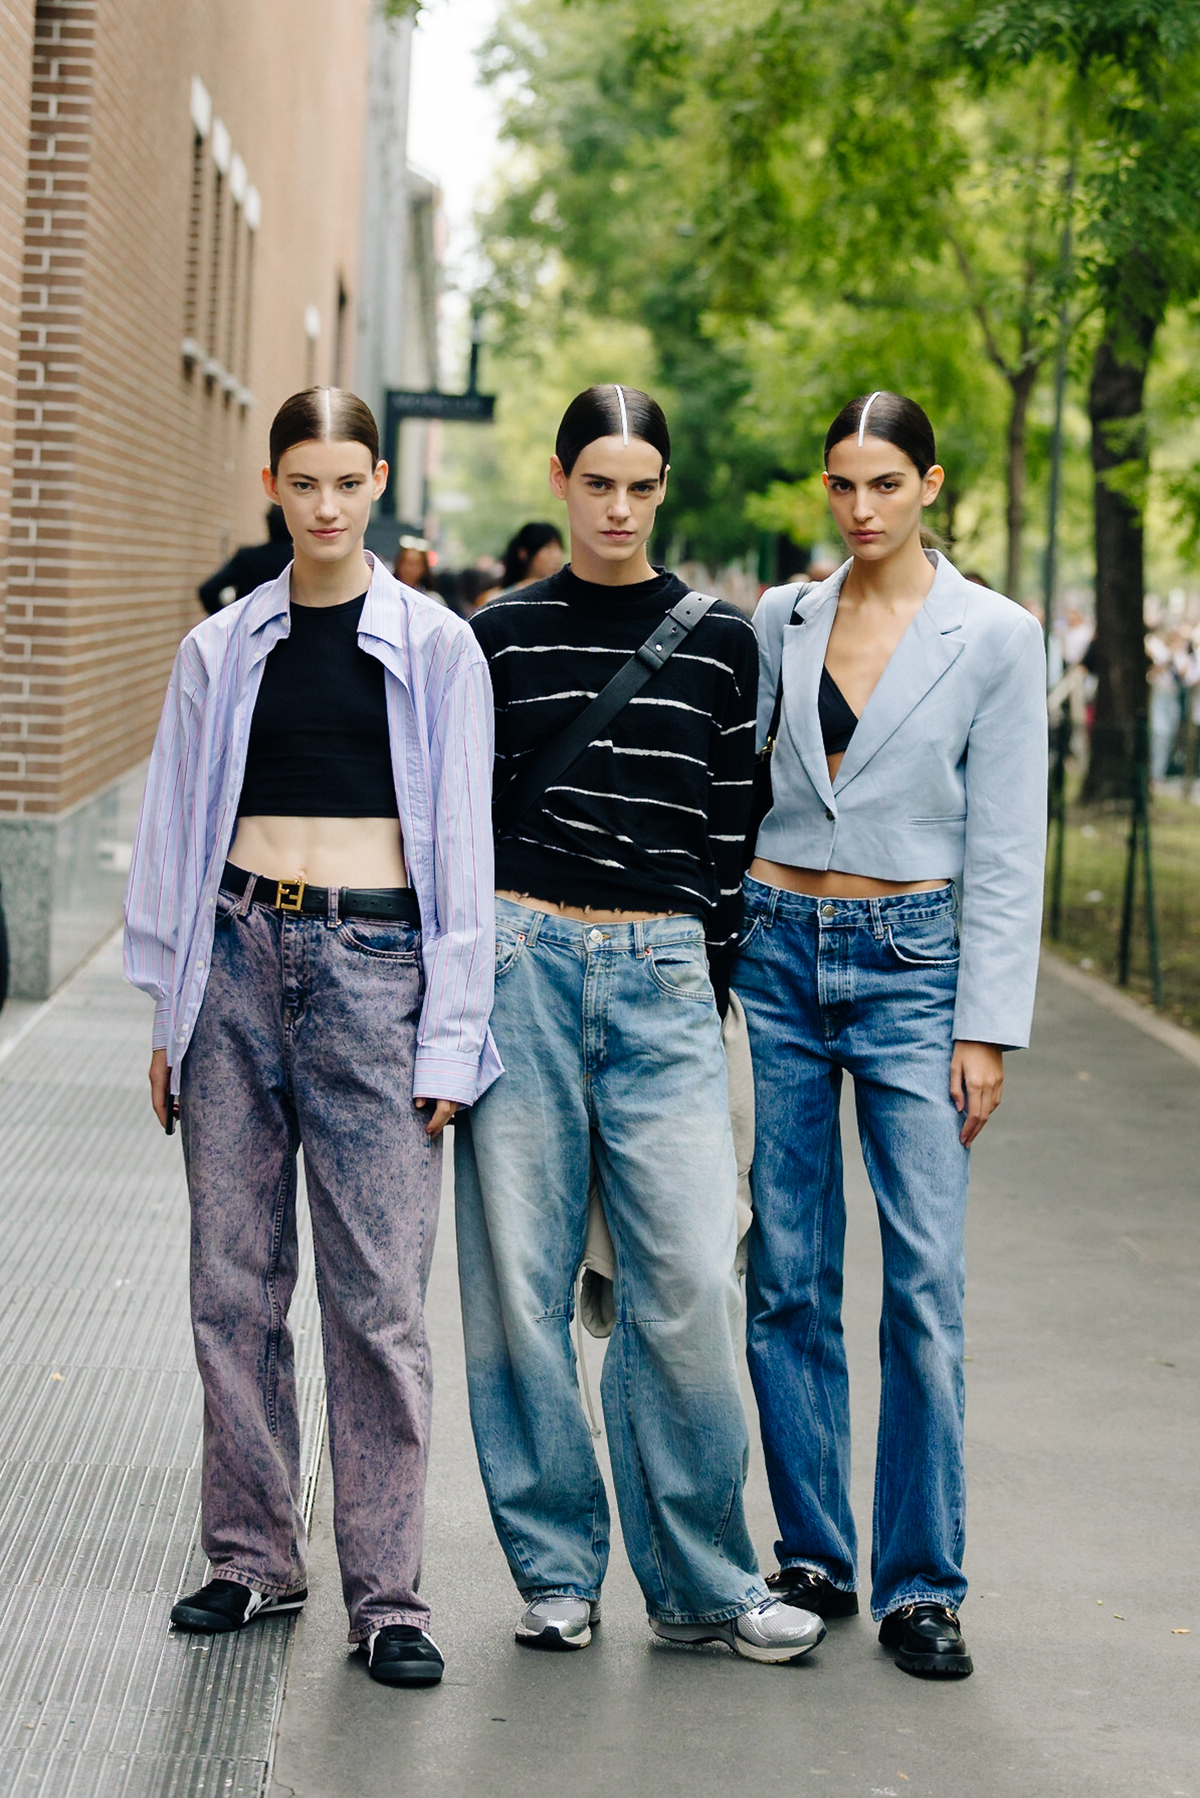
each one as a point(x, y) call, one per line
point(1084, 1466)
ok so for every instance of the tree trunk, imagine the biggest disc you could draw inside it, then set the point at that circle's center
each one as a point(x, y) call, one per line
point(1115, 401)
point(1021, 387)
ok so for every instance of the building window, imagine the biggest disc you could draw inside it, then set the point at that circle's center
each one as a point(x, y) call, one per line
point(220, 243)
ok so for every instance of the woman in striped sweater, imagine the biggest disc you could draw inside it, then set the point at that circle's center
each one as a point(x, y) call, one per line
point(618, 910)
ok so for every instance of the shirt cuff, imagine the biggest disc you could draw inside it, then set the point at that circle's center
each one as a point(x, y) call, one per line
point(161, 1034)
point(440, 1074)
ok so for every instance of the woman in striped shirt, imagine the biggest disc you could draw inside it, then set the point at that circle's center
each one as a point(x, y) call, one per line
point(618, 909)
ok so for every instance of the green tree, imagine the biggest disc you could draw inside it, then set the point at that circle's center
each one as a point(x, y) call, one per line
point(1135, 65)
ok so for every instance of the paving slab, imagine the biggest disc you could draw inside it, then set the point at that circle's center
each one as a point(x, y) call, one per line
point(1084, 1476)
point(100, 1415)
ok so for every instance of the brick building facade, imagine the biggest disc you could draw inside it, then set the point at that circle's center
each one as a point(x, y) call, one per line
point(185, 205)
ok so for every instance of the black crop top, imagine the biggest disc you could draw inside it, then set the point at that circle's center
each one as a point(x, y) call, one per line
point(319, 742)
point(836, 719)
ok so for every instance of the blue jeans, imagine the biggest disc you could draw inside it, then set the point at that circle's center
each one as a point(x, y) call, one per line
point(611, 1046)
point(307, 1039)
point(866, 986)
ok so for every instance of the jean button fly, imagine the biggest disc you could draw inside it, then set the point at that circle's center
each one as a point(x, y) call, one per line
point(827, 911)
point(594, 936)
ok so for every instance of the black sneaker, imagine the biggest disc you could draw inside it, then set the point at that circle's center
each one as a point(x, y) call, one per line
point(225, 1604)
point(402, 1655)
point(927, 1639)
point(809, 1590)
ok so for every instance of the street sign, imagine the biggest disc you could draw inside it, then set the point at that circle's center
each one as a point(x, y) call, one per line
point(463, 408)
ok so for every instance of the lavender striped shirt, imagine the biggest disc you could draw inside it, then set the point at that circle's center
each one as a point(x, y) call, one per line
point(439, 703)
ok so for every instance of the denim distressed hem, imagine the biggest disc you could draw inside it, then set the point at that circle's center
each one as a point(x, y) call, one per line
point(902, 1604)
point(535, 1594)
point(757, 1596)
point(270, 1588)
point(815, 1567)
point(362, 1632)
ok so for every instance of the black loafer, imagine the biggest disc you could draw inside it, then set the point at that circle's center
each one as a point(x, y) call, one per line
point(927, 1640)
point(811, 1591)
point(225, 1605)
point(402, 1655)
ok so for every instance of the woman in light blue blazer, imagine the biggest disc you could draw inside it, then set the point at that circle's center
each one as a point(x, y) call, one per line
point(893, 912)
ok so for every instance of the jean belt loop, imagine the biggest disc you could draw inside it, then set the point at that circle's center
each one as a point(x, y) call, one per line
point(772, 902)
point(532, 929)
point(878, 927)
point(242, 908)
point(333, 899)
point(639, 938)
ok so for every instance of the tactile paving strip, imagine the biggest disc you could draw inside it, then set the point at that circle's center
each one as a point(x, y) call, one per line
point(100, 1417)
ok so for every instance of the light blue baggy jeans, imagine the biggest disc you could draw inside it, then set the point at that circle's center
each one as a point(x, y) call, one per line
point(612, 1047)
point(865, 986)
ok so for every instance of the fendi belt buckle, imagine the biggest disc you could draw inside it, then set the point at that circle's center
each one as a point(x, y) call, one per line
point(289, 894)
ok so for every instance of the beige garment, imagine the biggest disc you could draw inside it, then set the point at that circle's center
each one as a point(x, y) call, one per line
point(596, 1270)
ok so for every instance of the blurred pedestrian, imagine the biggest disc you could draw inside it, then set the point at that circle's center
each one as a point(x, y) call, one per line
point(1074, 633)
point(412, 564)
point(249, 567)
point(1166, 689)
point(535, 553)
point(617, 912)
point(892, 932)
point(336, 730)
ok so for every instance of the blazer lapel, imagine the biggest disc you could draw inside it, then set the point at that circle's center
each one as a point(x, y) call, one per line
point(930, 645)
point(804, 645)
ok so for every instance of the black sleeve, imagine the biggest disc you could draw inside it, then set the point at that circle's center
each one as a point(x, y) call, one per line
point(210, 590)
point(731, 792)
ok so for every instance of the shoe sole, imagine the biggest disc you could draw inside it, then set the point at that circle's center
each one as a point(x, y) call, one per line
point(414, 1673)
point(550, 1641)
point(204, 1623)
point(746, 1651)
point(936, 1666)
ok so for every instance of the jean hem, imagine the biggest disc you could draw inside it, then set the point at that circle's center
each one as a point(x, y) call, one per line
point(535, 1594)
point(815, 1567)
point(755, 1596)
point(360, 1632)
point(902, 1603)
point(270, 1588)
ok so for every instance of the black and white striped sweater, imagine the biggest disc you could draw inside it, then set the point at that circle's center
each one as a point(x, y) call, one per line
point(653, 816)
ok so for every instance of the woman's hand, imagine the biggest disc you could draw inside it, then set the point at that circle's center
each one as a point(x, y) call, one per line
point(160, 1081)
point(976, 1083)
point(443, 1111)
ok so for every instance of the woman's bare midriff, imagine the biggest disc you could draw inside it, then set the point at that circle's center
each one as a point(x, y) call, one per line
point(584, 914)
point(828, 883)
point(325, 852)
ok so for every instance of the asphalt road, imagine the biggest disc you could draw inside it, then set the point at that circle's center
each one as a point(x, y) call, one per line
point(1084, 1477)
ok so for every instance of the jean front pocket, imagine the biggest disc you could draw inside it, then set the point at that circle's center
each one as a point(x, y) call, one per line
point(929, 941)
point(384, 939)
point(680, 970)
point(509, 947)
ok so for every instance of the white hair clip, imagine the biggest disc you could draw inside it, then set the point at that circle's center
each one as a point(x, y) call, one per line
point(624, 414)
point(862, 423)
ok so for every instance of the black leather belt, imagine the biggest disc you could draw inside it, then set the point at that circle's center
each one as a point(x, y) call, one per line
point(388, 904)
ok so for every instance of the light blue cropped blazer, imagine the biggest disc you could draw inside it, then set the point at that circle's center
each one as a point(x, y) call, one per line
point(945, 775)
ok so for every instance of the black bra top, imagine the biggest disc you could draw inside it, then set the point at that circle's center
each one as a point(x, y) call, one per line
point(833, 712)
point(319, 740)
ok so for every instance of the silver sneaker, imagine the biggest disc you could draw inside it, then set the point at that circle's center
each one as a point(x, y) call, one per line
point(557, 1622)
point(768, 1631)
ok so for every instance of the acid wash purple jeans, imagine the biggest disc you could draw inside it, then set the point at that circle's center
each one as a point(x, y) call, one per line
point(306, 1039)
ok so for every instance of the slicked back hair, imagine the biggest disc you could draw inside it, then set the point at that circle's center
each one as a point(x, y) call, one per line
point(891, 417)
point(323, 415)
point(611, 412)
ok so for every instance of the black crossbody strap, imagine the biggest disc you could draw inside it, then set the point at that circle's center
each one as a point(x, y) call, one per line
point(557, 756)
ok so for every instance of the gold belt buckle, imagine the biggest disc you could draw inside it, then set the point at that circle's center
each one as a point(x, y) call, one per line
point(289, 894)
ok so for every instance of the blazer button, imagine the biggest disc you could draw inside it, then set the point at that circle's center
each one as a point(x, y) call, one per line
point(829, 814)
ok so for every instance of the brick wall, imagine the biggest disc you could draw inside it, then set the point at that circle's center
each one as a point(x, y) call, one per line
point(16, 37)
point(135, 473)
